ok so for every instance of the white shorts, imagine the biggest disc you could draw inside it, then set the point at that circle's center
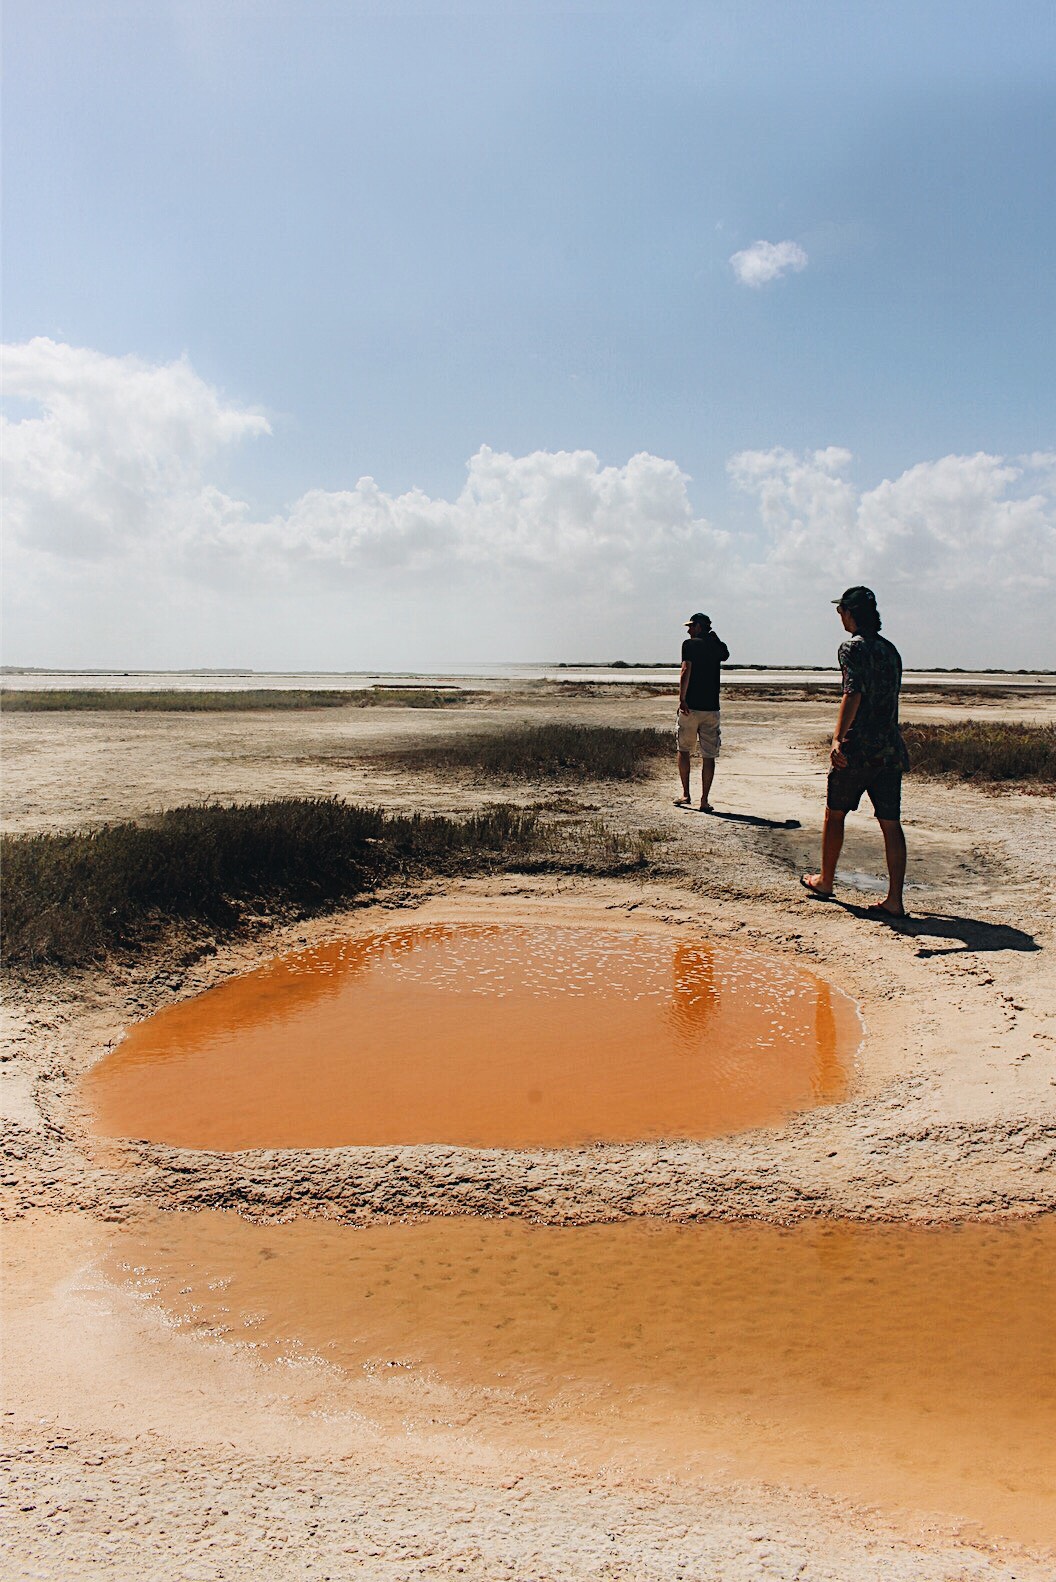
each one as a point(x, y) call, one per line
point(698, 731)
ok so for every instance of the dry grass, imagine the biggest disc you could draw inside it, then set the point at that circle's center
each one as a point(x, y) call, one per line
point(74, 898)
point(51, 700)
point(547, 752)
point(991, 753)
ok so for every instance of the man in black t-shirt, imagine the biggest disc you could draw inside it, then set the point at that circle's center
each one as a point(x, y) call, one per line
point(698, 706)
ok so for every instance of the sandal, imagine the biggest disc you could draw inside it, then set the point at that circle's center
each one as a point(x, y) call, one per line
point(821, 895)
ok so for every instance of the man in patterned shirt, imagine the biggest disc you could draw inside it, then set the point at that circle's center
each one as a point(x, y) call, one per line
point(868, 753)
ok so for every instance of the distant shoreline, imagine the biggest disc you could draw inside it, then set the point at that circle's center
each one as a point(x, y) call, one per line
point(500, 667)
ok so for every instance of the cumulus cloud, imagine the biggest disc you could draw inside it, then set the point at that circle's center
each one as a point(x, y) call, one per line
point(117, 465)
point(765, 261)
point(548, 517)
point(118, 448)
point(976, 528)
point(805, 501)
point(112, 494)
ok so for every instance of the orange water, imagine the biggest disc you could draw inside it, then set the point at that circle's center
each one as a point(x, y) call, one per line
point(911, 1366)
point(484, 1036)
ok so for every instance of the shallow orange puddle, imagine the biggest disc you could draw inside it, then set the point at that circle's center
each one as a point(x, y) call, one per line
point(483, 1035)
point(909, 1366)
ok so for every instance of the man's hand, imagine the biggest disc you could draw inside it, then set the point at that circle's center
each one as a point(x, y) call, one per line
point(844, 720)
point(683, 707)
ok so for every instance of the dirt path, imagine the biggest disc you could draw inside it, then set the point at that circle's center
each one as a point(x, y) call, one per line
point(952, 1115)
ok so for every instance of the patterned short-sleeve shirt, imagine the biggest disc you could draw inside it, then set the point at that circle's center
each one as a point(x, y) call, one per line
point(872, 667)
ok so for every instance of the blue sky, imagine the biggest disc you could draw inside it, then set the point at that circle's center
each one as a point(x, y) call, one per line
point(256, 253)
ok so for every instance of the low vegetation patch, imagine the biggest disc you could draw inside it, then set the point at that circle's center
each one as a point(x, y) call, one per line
point(991, 753)
point(73, 898)
point(550, 752)
point(51, 700)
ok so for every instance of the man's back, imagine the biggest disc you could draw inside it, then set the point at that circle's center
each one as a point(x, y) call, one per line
point(705, 655)
point(872, 666)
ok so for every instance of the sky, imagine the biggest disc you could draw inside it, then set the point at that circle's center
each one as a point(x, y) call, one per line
point(345, 335)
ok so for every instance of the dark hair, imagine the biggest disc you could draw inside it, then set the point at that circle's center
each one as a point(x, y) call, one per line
point(860, 602)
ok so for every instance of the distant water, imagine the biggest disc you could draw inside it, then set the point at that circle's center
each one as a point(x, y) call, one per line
point(461, 676)
point(496, 677)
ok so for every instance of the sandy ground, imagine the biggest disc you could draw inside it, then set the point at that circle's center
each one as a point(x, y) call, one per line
point(140, 1453)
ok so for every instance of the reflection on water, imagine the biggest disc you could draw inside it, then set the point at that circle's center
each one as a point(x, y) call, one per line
point(892, 1363)
point(694, 993)
point(830, 1078)
point(483, 1035)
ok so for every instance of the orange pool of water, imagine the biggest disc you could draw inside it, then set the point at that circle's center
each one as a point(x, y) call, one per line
point(483, 1035)
point(903, 1365)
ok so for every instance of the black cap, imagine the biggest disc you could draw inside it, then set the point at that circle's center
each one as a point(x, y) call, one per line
point(857, 598)
point(699, 619)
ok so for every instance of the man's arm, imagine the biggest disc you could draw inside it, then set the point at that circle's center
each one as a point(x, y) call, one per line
point(683, 683)
point(844, 720)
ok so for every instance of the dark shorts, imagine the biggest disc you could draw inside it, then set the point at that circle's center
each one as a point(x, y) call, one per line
point(883, 787)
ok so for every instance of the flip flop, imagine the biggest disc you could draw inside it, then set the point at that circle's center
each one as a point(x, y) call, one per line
point(883, 915)
point(682, 801)
point(820, 895)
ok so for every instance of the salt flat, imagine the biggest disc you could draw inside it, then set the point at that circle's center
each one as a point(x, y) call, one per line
point(144, 1438)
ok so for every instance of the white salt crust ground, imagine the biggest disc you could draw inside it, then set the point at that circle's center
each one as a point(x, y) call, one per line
point(953, 1115)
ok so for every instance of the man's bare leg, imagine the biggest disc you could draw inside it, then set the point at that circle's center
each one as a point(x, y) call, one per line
point(895, 852)
point(683, 775)
point(707, 775)
point(831, 846)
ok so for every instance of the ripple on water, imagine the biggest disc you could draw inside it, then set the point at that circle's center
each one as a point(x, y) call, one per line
point(904, 1365)
point(483, 1035)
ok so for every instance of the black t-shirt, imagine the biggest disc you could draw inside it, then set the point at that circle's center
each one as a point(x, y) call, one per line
point(705, 655)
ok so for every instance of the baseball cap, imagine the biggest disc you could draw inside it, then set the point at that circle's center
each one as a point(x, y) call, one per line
point(857, 598)
point(699, 616)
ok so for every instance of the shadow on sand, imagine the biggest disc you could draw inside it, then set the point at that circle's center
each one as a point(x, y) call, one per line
point(759, 823)
point(966, 933)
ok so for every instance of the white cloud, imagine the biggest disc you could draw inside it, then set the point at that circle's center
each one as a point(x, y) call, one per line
point(116, 466)
point(979, 530)
point(765, 261)
point(547, 517)
point(806, 503)
point(113, 501)
point(118, 448)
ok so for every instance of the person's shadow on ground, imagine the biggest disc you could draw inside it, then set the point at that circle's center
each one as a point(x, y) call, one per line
point(759, 823)
point(972, 932)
